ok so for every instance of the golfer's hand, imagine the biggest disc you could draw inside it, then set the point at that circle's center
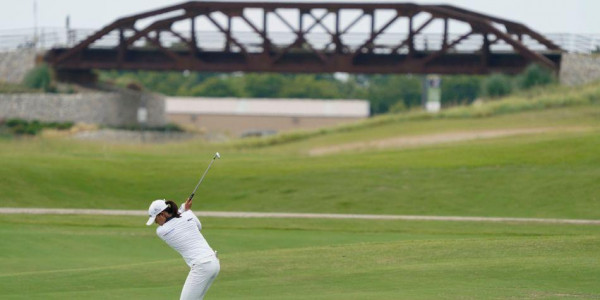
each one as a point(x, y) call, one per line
point(188, 204)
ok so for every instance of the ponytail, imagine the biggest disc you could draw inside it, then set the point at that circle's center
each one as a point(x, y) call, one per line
point(172, 209)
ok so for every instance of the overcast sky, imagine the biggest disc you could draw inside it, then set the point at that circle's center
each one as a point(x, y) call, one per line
point(546, 16)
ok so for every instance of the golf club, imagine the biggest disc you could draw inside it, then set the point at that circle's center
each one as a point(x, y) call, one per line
point(217, 155)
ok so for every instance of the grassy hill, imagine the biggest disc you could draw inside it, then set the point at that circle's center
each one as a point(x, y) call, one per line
point(548, 166)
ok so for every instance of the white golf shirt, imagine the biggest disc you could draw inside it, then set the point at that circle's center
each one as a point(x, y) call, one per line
point(183, 235)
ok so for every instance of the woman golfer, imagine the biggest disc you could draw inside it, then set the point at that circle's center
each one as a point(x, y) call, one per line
point(181, 231)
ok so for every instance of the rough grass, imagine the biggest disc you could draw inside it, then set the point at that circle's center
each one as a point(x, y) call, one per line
point(12, 88)
point(532, 100)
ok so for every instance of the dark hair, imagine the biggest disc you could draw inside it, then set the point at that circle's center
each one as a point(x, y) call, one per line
point(172, 209)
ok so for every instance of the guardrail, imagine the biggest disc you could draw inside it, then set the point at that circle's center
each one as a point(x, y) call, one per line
point(47, 38)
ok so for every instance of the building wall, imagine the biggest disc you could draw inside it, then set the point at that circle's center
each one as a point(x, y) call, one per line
point(105, 108)
point(238, 124)
point(15, 64)
point(578, 69)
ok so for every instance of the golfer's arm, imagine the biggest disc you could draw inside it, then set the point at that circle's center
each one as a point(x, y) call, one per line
point(187, 205)
point(198, 224)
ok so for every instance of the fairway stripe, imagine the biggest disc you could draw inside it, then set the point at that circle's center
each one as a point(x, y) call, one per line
point(222, 214)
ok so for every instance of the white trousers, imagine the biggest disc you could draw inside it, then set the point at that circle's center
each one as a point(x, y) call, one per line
point(201, 276)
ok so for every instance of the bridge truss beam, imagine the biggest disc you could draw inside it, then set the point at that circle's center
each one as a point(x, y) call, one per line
point(311, 38)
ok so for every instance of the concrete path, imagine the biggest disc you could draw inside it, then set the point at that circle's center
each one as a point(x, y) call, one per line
point(222, 214)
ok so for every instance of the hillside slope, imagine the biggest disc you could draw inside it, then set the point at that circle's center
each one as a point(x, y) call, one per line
point(548, 168)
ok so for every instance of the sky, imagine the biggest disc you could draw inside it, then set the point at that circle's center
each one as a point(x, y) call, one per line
point(546, 16)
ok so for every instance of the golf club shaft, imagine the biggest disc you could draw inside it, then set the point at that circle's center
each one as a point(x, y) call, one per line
point(202, 178)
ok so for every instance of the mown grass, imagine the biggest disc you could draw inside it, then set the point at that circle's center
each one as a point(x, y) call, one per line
point(94, 257)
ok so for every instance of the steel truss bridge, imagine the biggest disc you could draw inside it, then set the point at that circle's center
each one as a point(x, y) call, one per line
point(309, 38)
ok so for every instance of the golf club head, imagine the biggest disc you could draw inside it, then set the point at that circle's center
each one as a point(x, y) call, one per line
point(217, 155)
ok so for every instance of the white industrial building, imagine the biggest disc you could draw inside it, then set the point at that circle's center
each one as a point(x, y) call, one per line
point(242, 117)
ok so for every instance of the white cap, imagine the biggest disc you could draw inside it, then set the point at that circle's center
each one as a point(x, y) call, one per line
point(156, 208)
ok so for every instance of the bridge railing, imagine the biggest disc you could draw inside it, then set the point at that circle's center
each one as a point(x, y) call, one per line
point(576, 43)
point(52, 37)
point(41, 38)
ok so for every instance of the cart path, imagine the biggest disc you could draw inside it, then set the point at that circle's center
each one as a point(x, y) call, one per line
point(224, 214)
point(438, 138)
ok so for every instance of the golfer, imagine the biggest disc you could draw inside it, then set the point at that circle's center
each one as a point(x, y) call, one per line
point(181, 231)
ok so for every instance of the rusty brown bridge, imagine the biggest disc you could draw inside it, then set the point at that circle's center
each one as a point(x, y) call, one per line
point(308, 37)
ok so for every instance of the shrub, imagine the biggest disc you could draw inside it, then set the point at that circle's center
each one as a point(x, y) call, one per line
point(460, 89)
point(216, 87)
point(398, 107)
point(497, 85)
point(15, 122)
point(59, 126)
point(18, 126)
point(128, 83)
point(536, 75)
point(39, 78)
point(170, 127)
point(9, 88)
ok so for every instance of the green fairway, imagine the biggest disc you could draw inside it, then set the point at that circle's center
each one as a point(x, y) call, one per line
point(93, 257)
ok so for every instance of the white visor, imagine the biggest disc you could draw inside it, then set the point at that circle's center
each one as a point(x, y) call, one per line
point(151, 220)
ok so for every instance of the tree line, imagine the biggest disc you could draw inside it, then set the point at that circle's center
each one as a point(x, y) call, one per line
point(386, 93)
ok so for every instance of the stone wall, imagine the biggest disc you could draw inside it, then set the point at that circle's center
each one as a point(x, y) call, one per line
point(104, 108)
point(578, 69)
point(15, 64)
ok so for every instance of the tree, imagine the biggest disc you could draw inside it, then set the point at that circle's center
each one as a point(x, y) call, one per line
point(353, 88)
point(460, 89)
point(216, 87)
point(264, 85)
point(385, 90)
point(306, 86)
point(497, 85)
point(536, 75)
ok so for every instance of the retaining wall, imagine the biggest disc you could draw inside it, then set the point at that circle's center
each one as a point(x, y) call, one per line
point(104, 108)
point(15, 64)
point(578, 69)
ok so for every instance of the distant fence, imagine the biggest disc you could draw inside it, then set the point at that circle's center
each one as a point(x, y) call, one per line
point(50, 37)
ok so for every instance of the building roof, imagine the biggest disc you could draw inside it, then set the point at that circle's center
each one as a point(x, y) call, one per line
point(268, 107)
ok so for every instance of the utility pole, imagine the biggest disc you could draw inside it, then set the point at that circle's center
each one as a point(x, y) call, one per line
point(68, 28)
point(35, 24)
